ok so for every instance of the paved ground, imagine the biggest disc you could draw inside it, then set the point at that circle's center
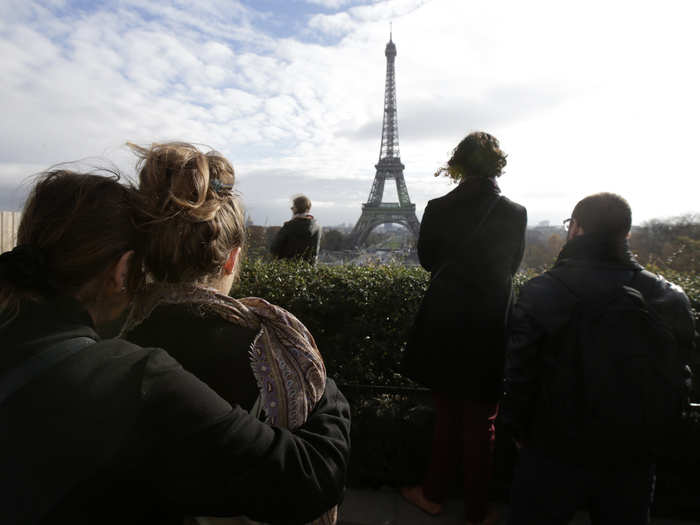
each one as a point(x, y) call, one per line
point(386, 507)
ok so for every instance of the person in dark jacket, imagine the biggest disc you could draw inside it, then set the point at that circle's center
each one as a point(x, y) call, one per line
point(472, 242)
point(251, 352)
point(557, 475)
point(300, 237)
point(105, 431)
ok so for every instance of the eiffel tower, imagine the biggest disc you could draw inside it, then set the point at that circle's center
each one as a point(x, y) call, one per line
point(374, 211)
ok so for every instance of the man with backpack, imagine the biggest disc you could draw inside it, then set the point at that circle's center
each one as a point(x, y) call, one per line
point(596, 377)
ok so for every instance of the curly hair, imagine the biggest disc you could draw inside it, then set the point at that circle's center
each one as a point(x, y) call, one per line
point(479, 154)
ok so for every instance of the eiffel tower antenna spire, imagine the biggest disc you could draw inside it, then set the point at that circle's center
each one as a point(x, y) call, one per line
point(375, 211)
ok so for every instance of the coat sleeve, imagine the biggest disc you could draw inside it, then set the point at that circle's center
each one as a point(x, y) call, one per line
point(427, 239)
point(212, 459)
point(521, 247)
point(277, 247)
point(522, 374)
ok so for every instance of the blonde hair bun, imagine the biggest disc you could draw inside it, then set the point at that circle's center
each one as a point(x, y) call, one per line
point(188, 213)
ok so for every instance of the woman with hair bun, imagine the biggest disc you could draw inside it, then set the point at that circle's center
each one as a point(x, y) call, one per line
point(253, 353)
point(471, 241)
point(104, 431)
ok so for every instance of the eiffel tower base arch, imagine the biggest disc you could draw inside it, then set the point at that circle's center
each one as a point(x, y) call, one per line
point(373, 216)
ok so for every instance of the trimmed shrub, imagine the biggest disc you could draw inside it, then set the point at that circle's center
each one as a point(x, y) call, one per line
point(361, 315)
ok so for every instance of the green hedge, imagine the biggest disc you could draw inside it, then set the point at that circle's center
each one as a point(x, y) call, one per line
point(361, 315)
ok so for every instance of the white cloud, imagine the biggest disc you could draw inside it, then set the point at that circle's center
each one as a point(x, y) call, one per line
point(336, 24)
point(586, 97)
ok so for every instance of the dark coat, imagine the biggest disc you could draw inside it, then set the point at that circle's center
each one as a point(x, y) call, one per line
point(457, 342)
point(299, 238)
point(118, 433)
point(213, 349)
point(590, 266)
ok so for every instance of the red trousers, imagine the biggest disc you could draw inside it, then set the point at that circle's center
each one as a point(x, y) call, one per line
point(464, 433)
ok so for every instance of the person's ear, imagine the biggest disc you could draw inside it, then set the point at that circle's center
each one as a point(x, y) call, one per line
point(232, 260)
point(120, 273)
point(575, 229)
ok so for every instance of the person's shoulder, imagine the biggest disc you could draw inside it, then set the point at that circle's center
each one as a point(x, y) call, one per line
point(272, 312)
point(300, 222)
point(538, 287)
point(121, 352)
point(118, 366)
point(656, 288)
point(118, 348)
point(439, 203)
point(543, 293)
point(514, 207)
point(545, 300)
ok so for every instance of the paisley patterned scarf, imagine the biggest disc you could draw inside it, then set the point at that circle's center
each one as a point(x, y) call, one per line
point(284, 358)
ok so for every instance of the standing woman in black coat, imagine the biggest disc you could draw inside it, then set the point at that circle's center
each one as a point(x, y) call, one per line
point(472, 242)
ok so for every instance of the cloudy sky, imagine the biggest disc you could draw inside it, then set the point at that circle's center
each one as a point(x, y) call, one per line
point(584, 96)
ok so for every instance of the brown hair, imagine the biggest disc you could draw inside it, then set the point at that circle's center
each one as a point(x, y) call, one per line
point(187, 213)
point(478, 154)
point(604, 213)
point(301, 204)
point(74, 228)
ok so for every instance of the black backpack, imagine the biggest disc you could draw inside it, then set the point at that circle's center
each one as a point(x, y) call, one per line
point(616, 381)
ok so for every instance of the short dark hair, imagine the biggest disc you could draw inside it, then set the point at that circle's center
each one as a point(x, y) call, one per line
point(301, 203)
point(604, 213)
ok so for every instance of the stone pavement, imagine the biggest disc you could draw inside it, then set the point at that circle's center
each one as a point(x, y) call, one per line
point(386, 507)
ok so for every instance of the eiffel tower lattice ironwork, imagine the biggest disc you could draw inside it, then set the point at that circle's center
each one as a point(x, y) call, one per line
point(374, 211)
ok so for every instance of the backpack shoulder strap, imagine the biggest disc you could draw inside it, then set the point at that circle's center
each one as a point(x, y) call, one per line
point(629, 283)
point(563, 283)
point(23, 374)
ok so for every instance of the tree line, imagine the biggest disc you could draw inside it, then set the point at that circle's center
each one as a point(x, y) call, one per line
point(665, 244)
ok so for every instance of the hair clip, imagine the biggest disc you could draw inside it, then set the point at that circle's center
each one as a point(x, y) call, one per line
point(220, 187)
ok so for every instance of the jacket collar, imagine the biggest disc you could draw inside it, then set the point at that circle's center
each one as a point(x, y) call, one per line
point(473, 183)
point(593, 248)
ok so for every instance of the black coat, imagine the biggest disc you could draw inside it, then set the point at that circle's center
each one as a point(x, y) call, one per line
point(299, 238)
point(213, 349)
point(589, 266)
point(118, 433)
point(457, 342)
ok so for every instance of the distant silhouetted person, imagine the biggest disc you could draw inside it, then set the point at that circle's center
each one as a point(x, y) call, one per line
point(299, 237)
point(471, 241)
point(595, 377)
